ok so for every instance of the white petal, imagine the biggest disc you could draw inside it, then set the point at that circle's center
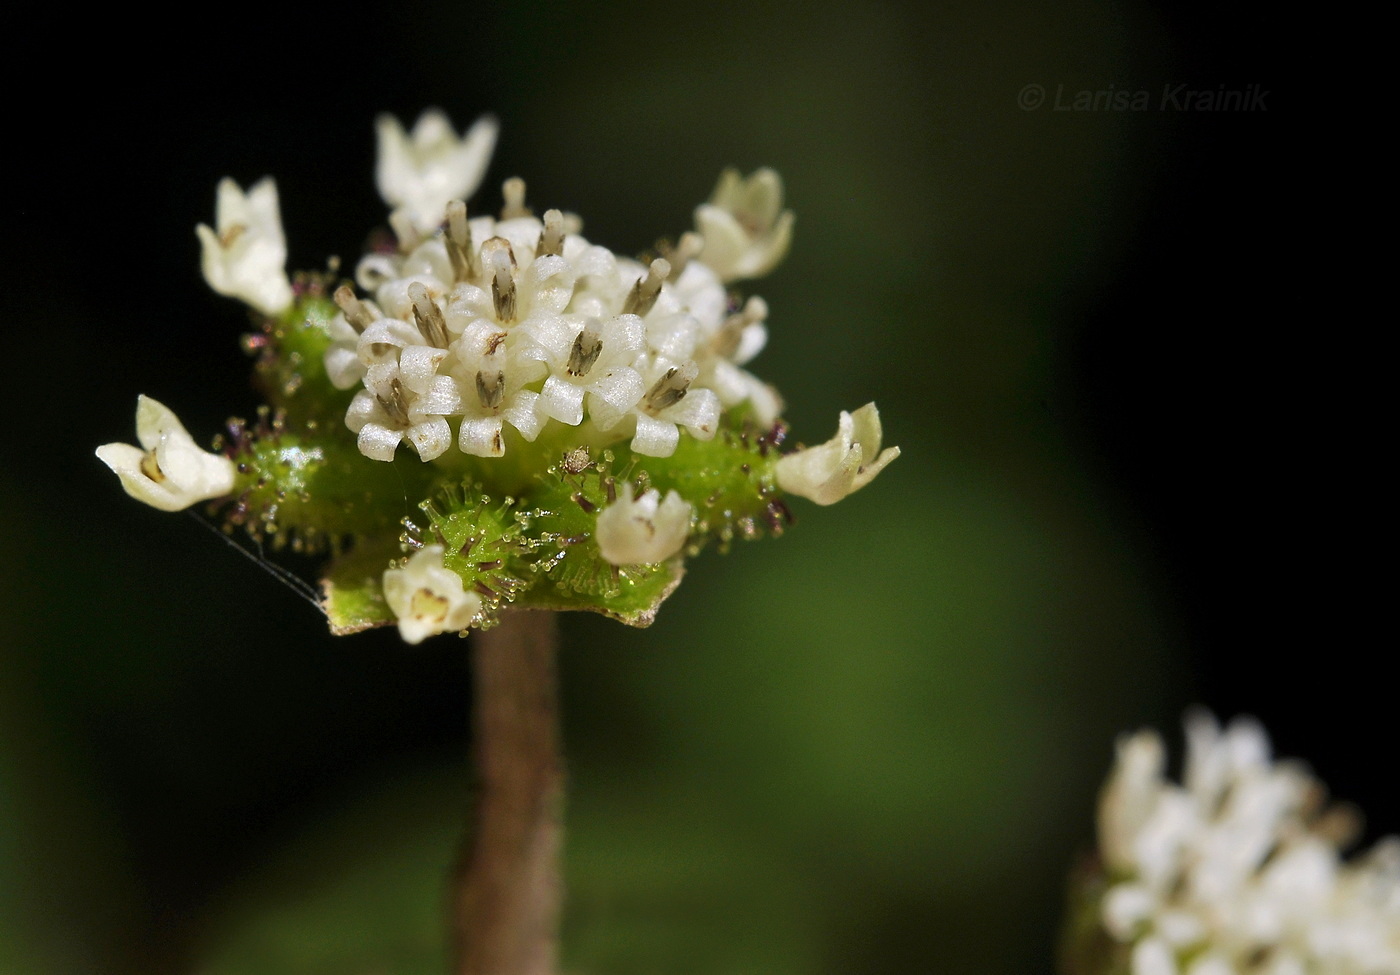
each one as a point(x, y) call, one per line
point(427, 597)
point(481, 436)
point(562, 401)
point(172, 473)
point(641, 530)
point(430, 438)
point(655, 438)
point(378, 442)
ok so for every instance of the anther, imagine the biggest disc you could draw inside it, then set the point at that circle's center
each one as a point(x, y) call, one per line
point(727, 340)
point(588, 345)
point(356, 313)
point(671, 387)
point(151, 467)
point(490, 388)
point(685, 250)
point(552, 236)
point(513, 190)
point(428, 315)
point(459, 241)
point(404, 230)
point(643, 295)
point(395, 405)
point(498, 260)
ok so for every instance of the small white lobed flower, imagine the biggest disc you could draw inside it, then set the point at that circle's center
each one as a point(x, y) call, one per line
point(643, 530)
point(745, 230)
point(1237, 870)
point(428, 598)
point(419, 174)
point(168, 471)
point(246, 256)
point(843, 465)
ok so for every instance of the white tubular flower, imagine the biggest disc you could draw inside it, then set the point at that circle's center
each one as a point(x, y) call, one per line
point(492, 378)
point(247, 257)
point(428, 598)
point(633, 531)
point(745, 234)
point(841, 466)
point(1237, 870)
point(421, 173)
point(587, 357)
point(168, 471)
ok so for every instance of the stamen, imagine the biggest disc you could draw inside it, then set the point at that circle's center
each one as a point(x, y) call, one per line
point(643, 295)
point(151, 468)
point(498, 260)
point(356, 313)
point(230, 236)
point(459, 241)
point(404, 230)
point(588, 345)
point(395, 405)
point(671, 388)
point(513, 190)
point(727, 340)
point(490, 389)
point(685, 250)
point(428, 315)
point(552, 236)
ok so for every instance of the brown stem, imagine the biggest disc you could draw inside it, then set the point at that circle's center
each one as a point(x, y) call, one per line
point(506, 898)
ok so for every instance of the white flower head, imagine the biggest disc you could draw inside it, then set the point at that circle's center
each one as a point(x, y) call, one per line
point(246, 258)
point(428, 598)
point(745, 229)
point(645, 530)
point(420, 174)
point(843, 465)
point(168, 471)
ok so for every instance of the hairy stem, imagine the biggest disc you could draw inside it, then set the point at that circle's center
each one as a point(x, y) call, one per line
point(507, 892)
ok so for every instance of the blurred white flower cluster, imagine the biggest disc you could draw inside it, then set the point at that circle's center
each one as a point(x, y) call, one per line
point(1237, 870)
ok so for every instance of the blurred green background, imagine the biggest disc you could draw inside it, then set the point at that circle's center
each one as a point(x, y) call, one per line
point(871, 746)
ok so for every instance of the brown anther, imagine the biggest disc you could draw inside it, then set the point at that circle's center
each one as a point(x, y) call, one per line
point(552, 236)
point(407, 234)
point(588, 345)
point(353, 307)
point(459, 241)
point(513, 190)
point(151, 468)
point(498, 260)
point(643, 294)
point(396, 406)
point(731, 334)
point(490, 389)
point(671, 387)
point(682, 252)
point(230, 236)
point(428, 315)
point(493, 344)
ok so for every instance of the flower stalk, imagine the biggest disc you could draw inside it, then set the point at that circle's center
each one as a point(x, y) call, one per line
point(507, 891)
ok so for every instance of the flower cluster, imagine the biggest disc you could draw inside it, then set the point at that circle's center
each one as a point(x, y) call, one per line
point(1237, 869)
point(605, 399)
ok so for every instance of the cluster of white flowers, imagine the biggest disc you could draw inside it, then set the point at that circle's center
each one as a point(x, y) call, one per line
point(501, 327)
point(519, 322)
point(1238, 870)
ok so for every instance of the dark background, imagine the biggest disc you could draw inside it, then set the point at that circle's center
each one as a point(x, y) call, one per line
point(872, 746)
